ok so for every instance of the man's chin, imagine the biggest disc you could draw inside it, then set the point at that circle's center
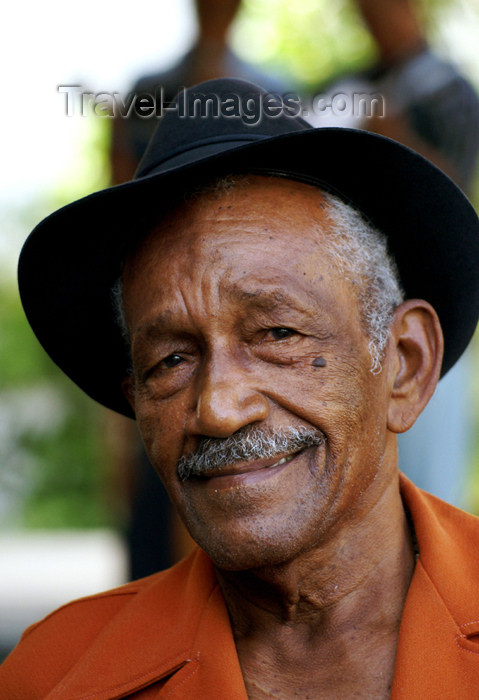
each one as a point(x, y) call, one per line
point(254, 544)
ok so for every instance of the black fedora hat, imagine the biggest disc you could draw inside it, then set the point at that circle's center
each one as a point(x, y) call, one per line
point(71, 260)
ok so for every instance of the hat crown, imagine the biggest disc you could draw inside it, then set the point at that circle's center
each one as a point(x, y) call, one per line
point(225, 112)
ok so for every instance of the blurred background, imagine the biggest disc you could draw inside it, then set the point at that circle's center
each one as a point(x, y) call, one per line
point(68, 467)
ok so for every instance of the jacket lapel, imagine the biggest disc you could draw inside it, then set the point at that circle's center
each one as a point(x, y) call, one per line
point(437, 656)
point(215, 672)
point(180, 629)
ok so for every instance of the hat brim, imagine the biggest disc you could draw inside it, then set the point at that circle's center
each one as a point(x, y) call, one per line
point(71, 260)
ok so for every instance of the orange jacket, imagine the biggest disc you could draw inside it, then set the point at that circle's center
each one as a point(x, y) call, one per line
point(169, 636)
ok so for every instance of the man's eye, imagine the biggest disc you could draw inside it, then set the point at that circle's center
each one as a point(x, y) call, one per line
point(172, 361)
point(281, 333)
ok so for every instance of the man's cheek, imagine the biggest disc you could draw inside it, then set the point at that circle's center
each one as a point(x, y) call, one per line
point(160, 443)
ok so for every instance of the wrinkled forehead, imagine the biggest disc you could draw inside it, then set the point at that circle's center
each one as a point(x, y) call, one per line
point(240, 250)
point(239, 242)
point(252, 205)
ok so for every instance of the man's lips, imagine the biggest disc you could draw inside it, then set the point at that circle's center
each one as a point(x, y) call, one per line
point(243, 473)
point(246, 467)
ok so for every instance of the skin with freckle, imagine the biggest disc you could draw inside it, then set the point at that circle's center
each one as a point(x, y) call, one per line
point(214, 292)
point(319, 362)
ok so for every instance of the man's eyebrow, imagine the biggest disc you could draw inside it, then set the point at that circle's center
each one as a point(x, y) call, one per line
point(272, 298)
point(267, 299)
point(154, 328)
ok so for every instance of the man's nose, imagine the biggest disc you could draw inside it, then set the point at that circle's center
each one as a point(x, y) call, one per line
point(227, 400)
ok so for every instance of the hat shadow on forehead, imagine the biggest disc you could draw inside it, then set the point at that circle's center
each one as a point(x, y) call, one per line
point(71, 260)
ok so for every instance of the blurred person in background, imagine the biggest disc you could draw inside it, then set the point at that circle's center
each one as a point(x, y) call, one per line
point(428, 104)
point(431, 108)
point(210, 57)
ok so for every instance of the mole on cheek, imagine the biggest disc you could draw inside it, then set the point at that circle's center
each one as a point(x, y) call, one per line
point(319, 362)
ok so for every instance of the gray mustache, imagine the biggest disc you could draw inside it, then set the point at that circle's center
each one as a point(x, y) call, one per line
point(246, 444)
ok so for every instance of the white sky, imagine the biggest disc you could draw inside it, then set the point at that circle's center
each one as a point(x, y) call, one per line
point(95, 43)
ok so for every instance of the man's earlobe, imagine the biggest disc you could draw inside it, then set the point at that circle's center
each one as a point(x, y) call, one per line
point(416, 358)
point(128, 389)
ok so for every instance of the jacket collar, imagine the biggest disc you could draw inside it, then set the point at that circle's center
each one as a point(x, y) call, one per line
point(448, 549)
point(437, 655)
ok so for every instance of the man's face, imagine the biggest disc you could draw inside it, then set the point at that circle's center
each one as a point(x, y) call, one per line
point(239, 318)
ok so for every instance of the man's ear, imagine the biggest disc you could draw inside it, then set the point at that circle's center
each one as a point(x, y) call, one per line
point(416, 356)
point(128, 388)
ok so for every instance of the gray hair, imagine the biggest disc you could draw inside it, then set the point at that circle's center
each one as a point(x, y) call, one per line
point(358, 251)
point(119, 310)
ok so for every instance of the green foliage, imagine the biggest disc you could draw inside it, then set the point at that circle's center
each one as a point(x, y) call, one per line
point(311, 41)
point(20, 360)
point(51, 453)
point(71, 461)
point(90, 167)
point(51, 449)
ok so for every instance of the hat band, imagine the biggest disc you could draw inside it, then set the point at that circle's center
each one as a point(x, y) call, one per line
point(201, 149)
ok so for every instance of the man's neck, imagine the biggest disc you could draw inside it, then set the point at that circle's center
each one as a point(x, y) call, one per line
point(208, 59)
point(328, 622)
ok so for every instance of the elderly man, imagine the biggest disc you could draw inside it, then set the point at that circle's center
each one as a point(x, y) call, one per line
point(280, 292)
